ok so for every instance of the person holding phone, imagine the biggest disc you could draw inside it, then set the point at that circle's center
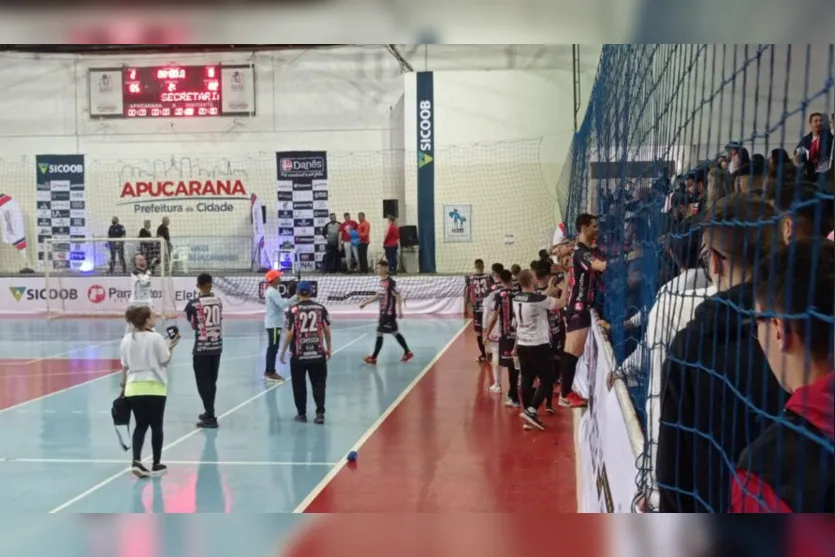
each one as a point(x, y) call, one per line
point(145, 355)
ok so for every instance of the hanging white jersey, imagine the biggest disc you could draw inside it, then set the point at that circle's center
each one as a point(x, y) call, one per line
point(140, 294)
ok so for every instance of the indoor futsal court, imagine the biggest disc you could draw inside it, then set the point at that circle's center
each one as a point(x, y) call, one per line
point(430, 437)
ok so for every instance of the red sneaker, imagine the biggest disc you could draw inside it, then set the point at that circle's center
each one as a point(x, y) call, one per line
point(573, 400)
point(370, 360)
point(407, 356)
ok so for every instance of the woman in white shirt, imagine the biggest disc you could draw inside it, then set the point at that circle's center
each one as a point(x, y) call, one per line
point(145, 357)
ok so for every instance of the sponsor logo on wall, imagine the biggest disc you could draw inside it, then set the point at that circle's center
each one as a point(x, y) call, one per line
point(61, 210)
point(458, 222)
point(302, 195)
point(425, 115)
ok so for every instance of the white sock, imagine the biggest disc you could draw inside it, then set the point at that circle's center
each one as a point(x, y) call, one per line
point(494, 366)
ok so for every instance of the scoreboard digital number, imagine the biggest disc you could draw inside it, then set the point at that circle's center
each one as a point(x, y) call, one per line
point(172, 92)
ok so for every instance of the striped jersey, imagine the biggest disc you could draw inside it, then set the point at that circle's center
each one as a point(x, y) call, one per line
point(555, 318)
point(307, 320)
point(489, 302)
point(140, 292)
point(581, 279)
point(478, 286)
point(387, 294)
point(502, 305)
point(205, 314)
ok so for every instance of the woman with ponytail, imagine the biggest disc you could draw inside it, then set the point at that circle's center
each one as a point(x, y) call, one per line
point(145, 357)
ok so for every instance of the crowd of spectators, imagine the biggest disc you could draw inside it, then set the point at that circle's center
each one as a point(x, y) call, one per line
point(724, 331)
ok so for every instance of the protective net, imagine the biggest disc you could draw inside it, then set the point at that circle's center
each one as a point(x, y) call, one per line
point(710, 167)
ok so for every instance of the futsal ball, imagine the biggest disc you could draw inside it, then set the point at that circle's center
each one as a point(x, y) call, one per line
point(352, 456)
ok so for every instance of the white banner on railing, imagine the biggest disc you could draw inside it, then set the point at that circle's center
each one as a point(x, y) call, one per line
point(608, 464)
point(241, 295)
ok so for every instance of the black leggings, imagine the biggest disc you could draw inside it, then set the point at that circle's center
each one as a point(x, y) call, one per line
point(273, 340)
point(536, 362)
point(148, 411)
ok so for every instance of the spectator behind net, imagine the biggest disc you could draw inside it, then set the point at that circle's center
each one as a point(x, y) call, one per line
point(164, 233)
point(704, 423)
point(719, 185)
point(331, 233)
point(806, 212)
point(792, 469)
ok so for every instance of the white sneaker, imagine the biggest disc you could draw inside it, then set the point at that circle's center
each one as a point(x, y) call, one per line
point(495, 388)
point(511, 403)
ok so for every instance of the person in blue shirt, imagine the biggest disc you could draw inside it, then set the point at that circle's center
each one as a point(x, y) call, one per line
point(276, 306)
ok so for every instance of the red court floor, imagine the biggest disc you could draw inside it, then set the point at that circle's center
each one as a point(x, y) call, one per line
point(24, 379)
point(452, 446)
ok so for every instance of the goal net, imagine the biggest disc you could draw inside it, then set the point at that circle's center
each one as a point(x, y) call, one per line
point(95, 277)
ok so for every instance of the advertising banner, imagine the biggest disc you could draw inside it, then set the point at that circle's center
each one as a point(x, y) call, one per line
point(425, 86)
point(302, 193)
point(609, 469)
point(458, 223)
point(61, 210)
point(260, 257)
point(110, 294)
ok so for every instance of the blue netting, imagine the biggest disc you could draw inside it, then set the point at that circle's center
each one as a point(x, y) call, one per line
point(650, 148)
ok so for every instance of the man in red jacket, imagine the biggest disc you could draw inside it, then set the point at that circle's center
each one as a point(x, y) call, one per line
point(390, 242)
point(790, 467)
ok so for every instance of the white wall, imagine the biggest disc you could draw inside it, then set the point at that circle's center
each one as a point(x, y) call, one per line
point(351, 102)
point(501, 139)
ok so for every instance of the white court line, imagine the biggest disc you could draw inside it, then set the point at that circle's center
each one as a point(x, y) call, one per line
point(62, 374)
point(174, 462)
point(336, 469)
point(114, 372)
point(179, 440)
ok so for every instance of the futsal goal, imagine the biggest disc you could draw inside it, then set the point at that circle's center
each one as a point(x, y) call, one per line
point(93, 277)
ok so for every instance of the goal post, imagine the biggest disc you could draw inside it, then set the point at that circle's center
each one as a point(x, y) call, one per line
point(92, 277)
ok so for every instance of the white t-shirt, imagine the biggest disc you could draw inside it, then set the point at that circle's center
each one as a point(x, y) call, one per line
point(140, 293)
point(530, 311)
point(147, 355)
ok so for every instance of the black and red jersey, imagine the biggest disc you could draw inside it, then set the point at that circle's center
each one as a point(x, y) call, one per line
point(387, 294)
point(581, 279)
point(478, 286)
point(555, 320)
point(503, 306)
point(307, 320)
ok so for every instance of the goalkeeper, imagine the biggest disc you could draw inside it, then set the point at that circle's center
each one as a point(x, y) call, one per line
point(140, 292)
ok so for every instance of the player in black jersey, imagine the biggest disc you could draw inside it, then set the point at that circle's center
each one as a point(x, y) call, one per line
point(586, 264)
point(309, 338)
point(556, 325)
point(391, 308)
point(514, 271)
point(205, 314)
point(502, 317)
point(476, 288)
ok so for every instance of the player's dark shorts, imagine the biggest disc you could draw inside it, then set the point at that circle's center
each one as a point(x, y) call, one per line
point(506, 351)
point(578, 321)
point(478, 316)
point(387, 324)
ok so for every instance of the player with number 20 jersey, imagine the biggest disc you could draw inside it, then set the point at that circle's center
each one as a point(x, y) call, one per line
point(205, 314)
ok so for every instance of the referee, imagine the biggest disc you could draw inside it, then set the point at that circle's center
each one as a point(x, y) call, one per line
point(205, 314)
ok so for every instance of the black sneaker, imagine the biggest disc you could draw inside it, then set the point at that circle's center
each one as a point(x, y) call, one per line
point(301, 418)
point(207, 422)
point(138, 469)
point(319, 419)
point(202, 417)
point(531, 417)
point(549, 408)
point(158, 470)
